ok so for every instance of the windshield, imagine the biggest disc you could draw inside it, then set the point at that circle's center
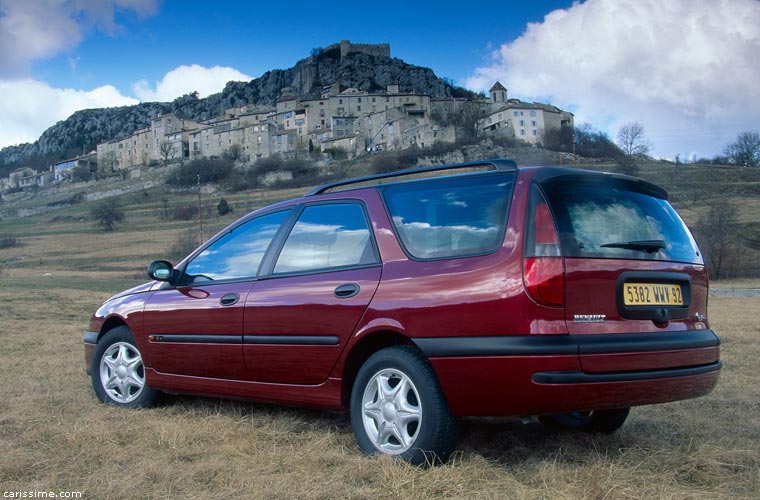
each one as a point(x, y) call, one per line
point(609, 221)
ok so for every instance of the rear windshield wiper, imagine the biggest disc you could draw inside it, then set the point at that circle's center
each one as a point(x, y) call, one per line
point(648, 246)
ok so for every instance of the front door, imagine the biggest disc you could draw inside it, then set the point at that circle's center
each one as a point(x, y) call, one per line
point(196, 327)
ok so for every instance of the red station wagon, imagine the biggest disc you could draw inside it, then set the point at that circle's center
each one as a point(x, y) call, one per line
point(414, 297)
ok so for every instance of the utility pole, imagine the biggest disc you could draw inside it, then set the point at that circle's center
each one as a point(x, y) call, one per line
point(575, 158)
point(200, 208)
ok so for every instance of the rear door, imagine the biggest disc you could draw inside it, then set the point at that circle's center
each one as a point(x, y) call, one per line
point(631, 265)
point(300, 317)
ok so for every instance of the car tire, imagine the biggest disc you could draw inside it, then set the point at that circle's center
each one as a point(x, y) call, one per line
point(118, 373)
point(398, 408)
point(600, 421)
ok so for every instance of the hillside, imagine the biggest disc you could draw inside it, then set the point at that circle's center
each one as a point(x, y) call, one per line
point(83, 130)
point(693, 189)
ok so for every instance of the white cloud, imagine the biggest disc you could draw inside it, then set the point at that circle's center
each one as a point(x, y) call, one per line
point(686, 69)
point(28, 107)
point(40, 29)
point(187, 79)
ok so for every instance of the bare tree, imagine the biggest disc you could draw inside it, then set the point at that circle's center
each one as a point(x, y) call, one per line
point(632, 140)
point(167, 151)
point(716, 232)
point(234, 153)
point(107, 214)
point(745, 151)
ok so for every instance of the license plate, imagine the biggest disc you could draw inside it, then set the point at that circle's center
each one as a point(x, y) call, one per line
point(652, 294)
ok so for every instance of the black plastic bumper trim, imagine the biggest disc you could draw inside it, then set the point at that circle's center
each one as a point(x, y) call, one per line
point(91, 337)
point(530, 345)
point(638, 342)
point(291, 339)
point(194, 339)
point(497, 346)
point(592, 378)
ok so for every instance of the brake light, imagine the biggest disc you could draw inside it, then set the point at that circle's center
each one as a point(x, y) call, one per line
point(544, 278)
point(543, 265)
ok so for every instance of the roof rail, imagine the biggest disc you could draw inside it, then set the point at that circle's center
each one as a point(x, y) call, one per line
point(499, 164)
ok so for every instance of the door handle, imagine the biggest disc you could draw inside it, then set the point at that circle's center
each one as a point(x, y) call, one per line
point(229, 299)
point(347, 291)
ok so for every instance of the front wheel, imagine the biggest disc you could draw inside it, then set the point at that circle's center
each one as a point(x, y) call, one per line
point(118, 373)
point(602, 421)
point(398, 408)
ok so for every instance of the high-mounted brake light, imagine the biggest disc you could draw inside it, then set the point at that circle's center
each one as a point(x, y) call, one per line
point(543, 266)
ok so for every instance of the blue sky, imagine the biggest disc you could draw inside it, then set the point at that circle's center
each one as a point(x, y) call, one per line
point(447, 38)
point(686, 69)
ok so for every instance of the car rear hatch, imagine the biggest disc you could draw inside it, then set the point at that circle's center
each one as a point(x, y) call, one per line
point(635, 284)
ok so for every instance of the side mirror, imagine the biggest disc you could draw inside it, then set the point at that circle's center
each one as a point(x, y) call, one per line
point(160, 270)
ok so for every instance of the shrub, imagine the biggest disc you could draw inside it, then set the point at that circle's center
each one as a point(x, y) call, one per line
point(186, 242)
point(185, 212)
point(395, 160)
point(8, 241)
point(81, 173)
point(337, 153)
point(717, 234)
point(203, 171)
point(107, 214)
point(223, 207)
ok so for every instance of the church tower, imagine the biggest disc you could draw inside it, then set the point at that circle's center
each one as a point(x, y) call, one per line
point(498, 94)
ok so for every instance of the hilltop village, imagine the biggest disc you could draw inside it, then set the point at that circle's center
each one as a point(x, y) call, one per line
point(345, 122)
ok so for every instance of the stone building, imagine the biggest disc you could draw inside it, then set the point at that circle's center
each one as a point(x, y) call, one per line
point(525, 121)
point(355, 121)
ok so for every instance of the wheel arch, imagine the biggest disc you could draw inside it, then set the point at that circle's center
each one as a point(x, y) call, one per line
point(110, 323)
point(361, 351)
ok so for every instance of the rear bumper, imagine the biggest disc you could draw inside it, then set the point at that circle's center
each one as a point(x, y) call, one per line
point(536, 374)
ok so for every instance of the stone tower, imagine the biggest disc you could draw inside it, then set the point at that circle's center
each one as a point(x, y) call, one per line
point(498, 94)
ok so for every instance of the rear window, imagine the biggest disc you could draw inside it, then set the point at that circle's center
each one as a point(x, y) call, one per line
point(452, 217)
point(610, 221)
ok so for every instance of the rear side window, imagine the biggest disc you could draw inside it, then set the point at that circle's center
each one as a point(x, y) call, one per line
point(452, 217)
point(327, 236)
point(610, 221)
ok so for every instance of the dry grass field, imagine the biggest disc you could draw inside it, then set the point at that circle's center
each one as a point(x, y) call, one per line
point(55, 436)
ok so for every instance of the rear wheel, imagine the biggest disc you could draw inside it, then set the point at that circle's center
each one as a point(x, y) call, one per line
point(118, 373)
point(398, 408)
point(602, 421)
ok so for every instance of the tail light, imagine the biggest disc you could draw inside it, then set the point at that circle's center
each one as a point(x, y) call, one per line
point(544, 278)
point(543, 266)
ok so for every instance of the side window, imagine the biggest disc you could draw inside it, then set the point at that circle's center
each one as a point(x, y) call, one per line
point(238, 253)
point(327, 236)
point(452, 217)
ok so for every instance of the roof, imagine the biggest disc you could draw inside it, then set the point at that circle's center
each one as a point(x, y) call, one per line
point(497, 86)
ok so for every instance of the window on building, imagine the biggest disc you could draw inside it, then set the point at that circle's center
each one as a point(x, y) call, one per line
point(358, 108)
point(532, 113)
point(522, 131)
point(535, 132)
point(522, 123)
point(533, 123)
